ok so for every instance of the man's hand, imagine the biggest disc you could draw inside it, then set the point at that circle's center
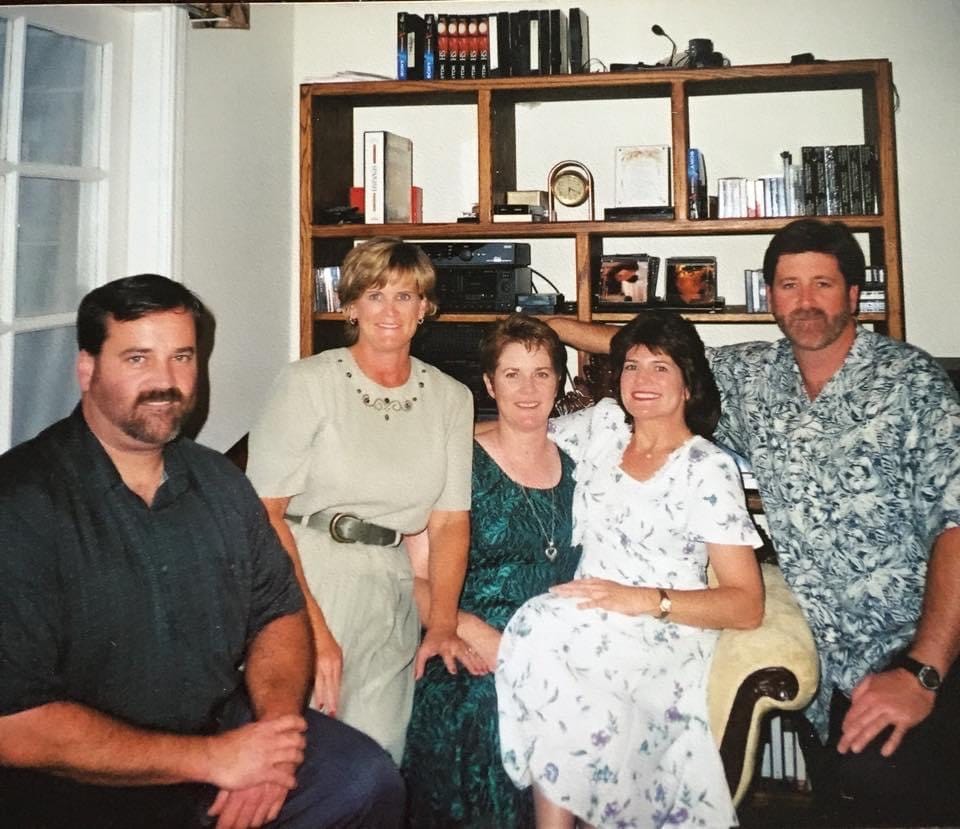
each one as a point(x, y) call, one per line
point(260, 752)
point(329, 671)
point(609, 595)
point(246, 808)
point(444, 642)
point(880, 700)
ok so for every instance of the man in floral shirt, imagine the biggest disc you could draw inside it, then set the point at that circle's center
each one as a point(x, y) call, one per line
point(855, 442)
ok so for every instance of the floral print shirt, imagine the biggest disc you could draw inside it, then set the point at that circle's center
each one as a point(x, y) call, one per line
point(856, 484)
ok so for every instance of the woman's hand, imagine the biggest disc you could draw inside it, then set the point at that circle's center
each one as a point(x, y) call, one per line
point(444, 642)
point(610, 595)
point(329, 665)
point(481, 638)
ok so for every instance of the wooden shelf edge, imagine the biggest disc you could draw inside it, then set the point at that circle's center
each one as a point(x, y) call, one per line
point(669, 227)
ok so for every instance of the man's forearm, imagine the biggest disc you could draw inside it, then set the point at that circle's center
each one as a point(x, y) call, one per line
point(73, 740)
point(937, 641)
point(279, 667)
point(584, 336)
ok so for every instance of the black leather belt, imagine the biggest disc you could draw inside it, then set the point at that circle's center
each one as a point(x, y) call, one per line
point(347, 528)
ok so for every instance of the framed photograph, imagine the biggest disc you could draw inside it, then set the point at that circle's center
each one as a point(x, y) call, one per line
point(691, 280)
point(625, 278)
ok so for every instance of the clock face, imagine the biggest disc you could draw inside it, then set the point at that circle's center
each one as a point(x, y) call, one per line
point(570, 188)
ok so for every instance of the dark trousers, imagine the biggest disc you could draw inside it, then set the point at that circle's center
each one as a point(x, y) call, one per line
point(346, 780)
point(916, 786)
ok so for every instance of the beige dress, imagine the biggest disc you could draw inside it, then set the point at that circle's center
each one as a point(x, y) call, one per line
point(330, 438)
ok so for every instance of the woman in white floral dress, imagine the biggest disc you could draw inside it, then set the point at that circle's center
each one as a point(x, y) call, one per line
point(601, 683)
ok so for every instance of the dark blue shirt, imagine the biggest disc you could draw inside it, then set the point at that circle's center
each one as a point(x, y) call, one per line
point(141, 612)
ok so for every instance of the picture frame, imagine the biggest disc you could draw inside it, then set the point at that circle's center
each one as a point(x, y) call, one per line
point(625, 279)
point(691, 281)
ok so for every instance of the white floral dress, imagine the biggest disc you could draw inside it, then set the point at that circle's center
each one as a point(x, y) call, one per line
point(605, 712)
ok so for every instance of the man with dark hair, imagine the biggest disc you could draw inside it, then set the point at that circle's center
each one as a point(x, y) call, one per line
point(154, 652)
point(854, 439)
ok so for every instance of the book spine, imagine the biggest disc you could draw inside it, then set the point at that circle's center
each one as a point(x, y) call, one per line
point(869, 179)
point(463, 48)
point(543, 61)
point(856, 180)
point(579, 40)
point(483, 33)
point(373, 149)
point(819, 182)
point(429, 47)
point(808, 163)
point(843, 180)
point(401, 46)
point(443, 48)
point(473, 47)
point(831, 182)
point(503, 44)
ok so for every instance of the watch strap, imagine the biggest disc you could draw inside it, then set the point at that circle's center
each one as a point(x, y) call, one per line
point(927, 675)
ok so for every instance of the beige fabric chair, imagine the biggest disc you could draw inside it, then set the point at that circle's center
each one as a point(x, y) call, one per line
point(773, 667)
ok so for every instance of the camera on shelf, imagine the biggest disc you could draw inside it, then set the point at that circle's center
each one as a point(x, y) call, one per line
point(700, 54)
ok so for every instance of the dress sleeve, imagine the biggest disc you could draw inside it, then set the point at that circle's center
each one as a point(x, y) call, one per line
point(573, 432)
point(278, 462)
point(455, 496)
point(718, 512)
point(30, 611)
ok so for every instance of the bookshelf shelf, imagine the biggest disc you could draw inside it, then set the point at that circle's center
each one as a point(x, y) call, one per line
point(327, 141)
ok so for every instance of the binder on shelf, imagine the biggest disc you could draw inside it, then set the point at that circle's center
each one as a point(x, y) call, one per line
point(579, 35)
point(387, 177)
point(559, 57)
point(410, 45)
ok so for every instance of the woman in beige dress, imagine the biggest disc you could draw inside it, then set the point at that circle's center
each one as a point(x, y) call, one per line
point(356, 448)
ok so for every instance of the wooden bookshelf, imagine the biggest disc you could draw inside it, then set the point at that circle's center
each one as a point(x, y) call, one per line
point(326, 168)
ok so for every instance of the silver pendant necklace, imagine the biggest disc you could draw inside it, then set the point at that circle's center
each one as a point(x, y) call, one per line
point(550, 551)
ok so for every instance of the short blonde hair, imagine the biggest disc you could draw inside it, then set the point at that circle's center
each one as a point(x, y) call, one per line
point(384, 259)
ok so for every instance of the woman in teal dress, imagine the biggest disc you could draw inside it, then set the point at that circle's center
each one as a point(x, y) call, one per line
point(520, 546)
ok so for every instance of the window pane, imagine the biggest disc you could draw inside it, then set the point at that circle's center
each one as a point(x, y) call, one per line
point(51, 276)
point(60, 99)
point(44, 383)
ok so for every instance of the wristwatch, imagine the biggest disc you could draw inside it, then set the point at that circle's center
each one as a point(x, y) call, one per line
point(927, 675)
point(665, 604)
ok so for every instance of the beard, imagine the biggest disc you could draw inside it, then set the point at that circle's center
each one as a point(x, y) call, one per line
point(812, 329)
point(148, 425)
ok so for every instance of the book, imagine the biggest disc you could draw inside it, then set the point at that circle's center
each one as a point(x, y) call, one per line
point(429, 47)
point(642, 176)
point(387, 177)
point(463, 49)
point(809, 168)
point(696, 185)
point(473, 47)
point(579, 40)
point(502, 69)
point(543, 41)
point(537, 197)
point(410, 44)
point(483, 34)
point(443, 47)
point(831, 183)
point(520, 43)
point(869, 179)
point(559, 59)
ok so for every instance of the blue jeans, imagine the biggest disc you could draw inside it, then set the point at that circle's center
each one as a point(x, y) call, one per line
point(346, 781)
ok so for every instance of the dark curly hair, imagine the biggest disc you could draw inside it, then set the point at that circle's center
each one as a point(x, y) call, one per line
point(664, 332)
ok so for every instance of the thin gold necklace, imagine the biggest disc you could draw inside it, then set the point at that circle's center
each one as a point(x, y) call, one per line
point(550, 551)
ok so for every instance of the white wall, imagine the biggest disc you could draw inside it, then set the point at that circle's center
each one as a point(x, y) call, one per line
point(241, 230)
point(239, 224)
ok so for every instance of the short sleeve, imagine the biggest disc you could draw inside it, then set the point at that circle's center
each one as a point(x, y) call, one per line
point(30, 611)
point(578, 433)
point(279, 455)
point(274, 588)
point(455, 496)
point(718, 512)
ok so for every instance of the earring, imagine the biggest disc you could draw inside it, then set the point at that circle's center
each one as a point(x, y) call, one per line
point(352, 320)
point(420, 321)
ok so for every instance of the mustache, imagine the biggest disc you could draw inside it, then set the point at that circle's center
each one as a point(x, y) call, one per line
point(171, 395)
point(808, 314)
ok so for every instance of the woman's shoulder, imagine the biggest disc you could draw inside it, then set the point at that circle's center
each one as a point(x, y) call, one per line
point(321, 364)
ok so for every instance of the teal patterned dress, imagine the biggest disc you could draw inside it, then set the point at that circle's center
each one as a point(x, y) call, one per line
point(452, 760)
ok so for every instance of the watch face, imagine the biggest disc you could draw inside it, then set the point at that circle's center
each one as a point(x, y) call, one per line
point(929, 678)
point(570, 189)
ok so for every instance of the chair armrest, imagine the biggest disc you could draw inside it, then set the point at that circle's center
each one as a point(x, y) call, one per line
point(774, 666)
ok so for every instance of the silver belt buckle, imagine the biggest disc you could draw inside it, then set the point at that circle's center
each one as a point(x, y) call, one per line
point(335, 533)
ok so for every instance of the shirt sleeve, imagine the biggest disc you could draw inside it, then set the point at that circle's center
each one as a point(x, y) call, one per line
point(729, 372)
point(455, 496)
point(718, 512)
point(30, 611)
point(274, 588)
point(278, 463)
point(574, 432)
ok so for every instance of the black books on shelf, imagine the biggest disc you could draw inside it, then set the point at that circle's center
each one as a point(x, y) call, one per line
point(445, 46)
point(387, 177)
point(840, 180)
